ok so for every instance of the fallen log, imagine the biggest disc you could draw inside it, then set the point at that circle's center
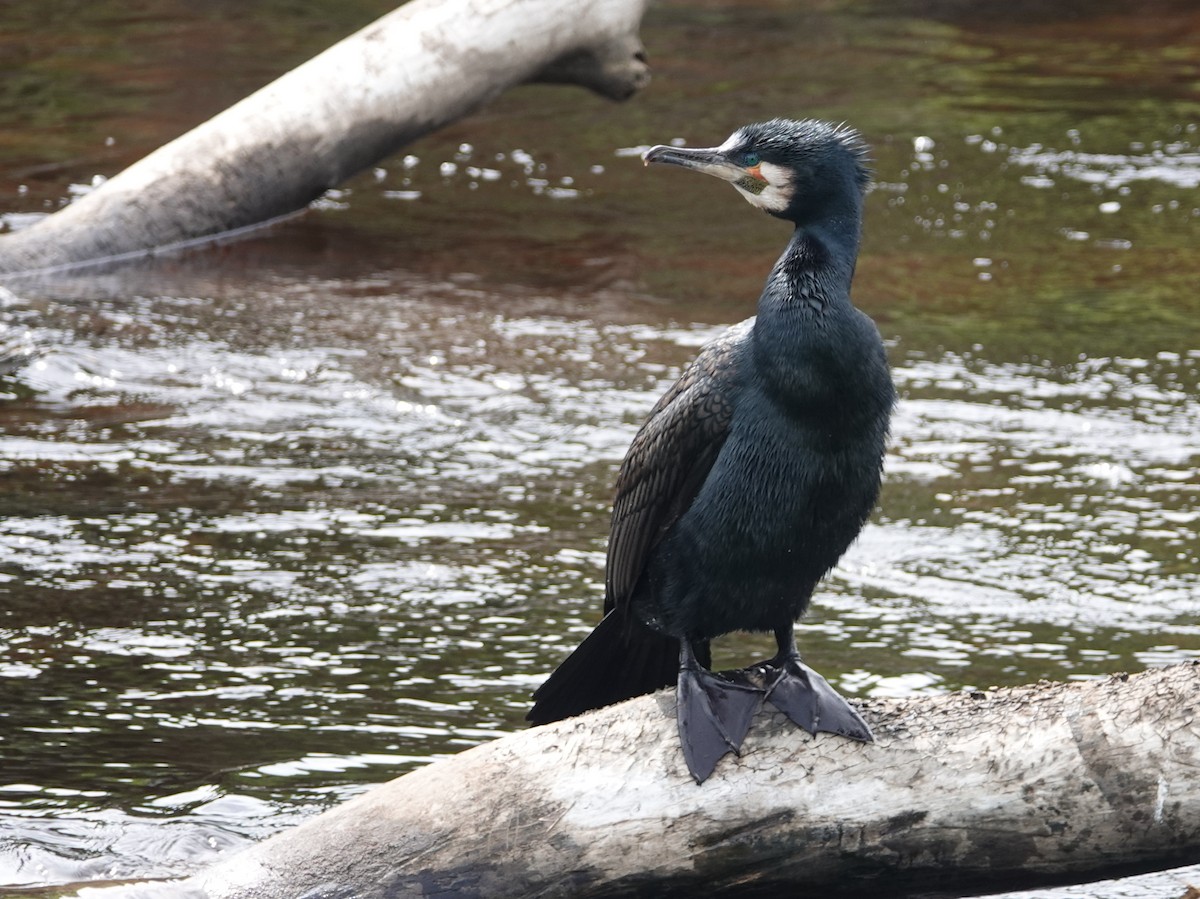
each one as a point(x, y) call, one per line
point(412, 71)
point(960, 794)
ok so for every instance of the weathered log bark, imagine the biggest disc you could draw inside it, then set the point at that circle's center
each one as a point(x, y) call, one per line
point(961, 793)
point(417, 68)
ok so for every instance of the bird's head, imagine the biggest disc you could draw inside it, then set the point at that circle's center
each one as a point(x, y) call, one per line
point(796, 170)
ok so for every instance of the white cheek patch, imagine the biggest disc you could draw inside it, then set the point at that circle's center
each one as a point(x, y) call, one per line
point(777, 193)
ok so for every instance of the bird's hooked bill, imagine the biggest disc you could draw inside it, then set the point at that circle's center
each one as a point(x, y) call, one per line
point(709, 160)
point(688, 157)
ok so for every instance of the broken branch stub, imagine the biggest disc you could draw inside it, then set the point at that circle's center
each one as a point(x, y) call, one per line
point(414, 70)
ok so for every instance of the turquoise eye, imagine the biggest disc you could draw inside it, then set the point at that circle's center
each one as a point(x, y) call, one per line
point(751, 160)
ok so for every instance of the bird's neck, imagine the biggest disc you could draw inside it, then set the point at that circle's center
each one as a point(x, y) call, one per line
point(813, 275)
point(805, 332)
point(808, 342)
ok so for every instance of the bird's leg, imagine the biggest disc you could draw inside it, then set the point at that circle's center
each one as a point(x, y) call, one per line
point(714, 714)
point(806, 697)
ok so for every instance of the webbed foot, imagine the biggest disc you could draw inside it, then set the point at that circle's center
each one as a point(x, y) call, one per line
point(806, 698)
point(714, 716)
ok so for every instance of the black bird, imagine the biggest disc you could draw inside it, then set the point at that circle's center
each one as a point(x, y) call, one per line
point(754, 472)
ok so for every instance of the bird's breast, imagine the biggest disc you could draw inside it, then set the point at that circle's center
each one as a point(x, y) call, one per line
point(784, 492)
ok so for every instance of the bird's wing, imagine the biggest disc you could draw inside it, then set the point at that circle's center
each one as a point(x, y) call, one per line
point(669, 460)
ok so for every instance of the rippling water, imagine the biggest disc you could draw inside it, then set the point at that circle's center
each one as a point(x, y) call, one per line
point(288, 518)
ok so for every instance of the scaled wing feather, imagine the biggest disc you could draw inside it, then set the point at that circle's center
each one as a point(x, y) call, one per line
point(668, 462)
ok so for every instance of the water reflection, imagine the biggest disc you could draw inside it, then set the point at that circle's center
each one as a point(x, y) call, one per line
point(65, 840)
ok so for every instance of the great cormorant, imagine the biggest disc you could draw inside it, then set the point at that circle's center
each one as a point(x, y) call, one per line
point(753, 473)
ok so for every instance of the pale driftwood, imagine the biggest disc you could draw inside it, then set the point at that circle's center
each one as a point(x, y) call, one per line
point(961, 793)
point(423, 65)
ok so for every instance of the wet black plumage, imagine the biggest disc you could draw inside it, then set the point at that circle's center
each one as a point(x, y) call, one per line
point(754, 472)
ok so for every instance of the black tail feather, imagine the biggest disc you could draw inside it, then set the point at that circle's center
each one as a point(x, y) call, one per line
point(620, 659)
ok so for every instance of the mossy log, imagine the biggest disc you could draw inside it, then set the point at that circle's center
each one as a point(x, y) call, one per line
point(960, 794)
point(418, 68)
